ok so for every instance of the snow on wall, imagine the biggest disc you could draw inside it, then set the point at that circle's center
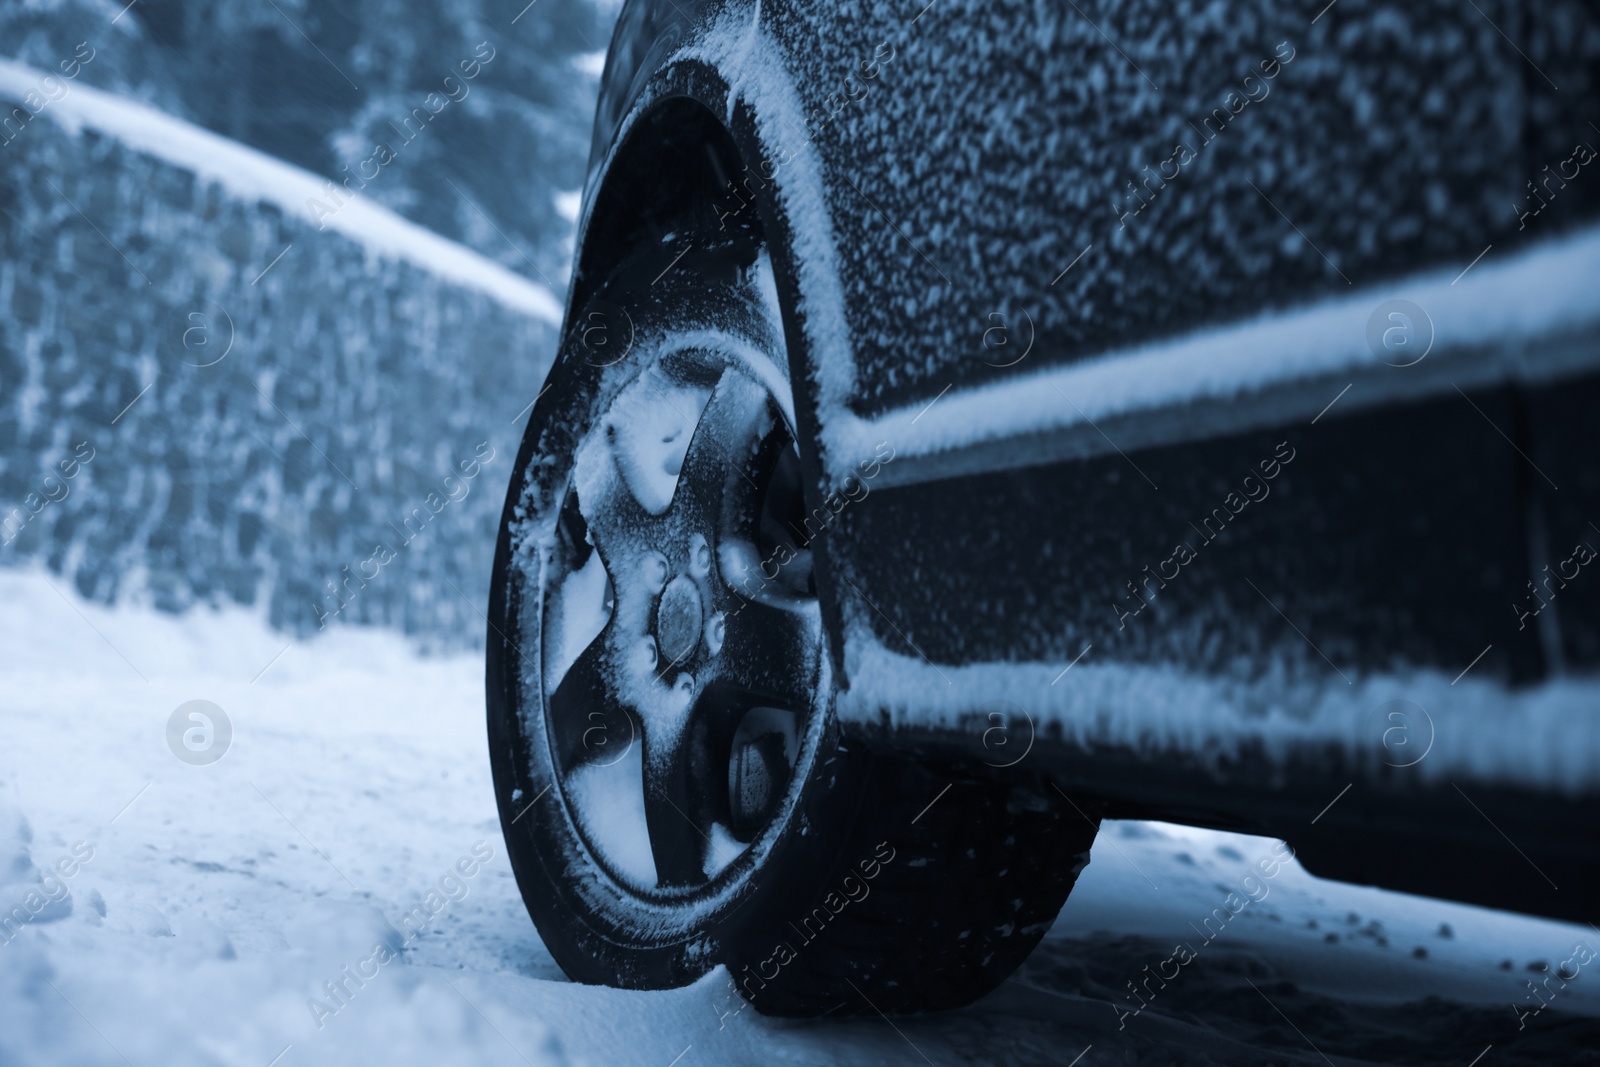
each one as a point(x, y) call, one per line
point(205, 399)
point(249, 175)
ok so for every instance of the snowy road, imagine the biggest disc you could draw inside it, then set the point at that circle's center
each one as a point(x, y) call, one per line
point(219, 904)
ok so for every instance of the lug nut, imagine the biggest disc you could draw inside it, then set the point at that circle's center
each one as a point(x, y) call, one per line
point(699, 556)
point(653, 571)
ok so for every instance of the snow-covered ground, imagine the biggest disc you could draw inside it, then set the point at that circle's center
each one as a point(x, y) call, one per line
point(217, 902)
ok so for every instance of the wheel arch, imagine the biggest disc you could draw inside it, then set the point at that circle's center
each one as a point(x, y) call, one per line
point(682, 120)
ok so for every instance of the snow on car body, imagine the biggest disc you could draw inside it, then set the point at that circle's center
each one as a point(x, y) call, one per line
point(1229, 398)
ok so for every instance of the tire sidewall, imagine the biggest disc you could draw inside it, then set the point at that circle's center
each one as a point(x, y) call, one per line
point(597, 929)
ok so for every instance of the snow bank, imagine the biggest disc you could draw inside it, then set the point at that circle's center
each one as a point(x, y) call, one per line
point(220, 900)
point(251, 175)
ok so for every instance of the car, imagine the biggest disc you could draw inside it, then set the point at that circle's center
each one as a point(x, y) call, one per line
point(976, 422)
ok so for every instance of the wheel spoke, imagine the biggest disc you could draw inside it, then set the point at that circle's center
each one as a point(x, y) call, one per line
point(649, 654)
point(614, 518)
point(579, 602)
point(648, 431)
point(586, 723)
point(682, 800)
point(717, 476)
point(772, 652)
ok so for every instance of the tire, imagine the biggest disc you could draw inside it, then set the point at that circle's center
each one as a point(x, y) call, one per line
point(972, 866)
point(828, 877)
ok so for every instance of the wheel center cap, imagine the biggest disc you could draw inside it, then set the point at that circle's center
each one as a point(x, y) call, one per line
point(678, 619)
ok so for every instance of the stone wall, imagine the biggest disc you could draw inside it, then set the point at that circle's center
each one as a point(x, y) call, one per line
point(186, 418)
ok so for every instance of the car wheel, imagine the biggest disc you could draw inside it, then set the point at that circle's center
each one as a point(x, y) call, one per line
point(674, 791)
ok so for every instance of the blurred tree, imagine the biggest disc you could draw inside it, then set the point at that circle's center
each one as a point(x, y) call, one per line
point(322, 83)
